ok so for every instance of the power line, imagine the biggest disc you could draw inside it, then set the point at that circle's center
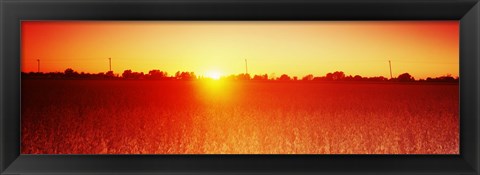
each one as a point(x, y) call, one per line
point(38, 65)
point(246, 67)
point(390, 63)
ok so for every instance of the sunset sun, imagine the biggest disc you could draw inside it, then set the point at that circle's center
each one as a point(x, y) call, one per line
point(213, 75)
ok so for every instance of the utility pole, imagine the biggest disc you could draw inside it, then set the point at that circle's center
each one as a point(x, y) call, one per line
point(246, 67)
point(110, 63)
point(390, 63)
point(38, 65)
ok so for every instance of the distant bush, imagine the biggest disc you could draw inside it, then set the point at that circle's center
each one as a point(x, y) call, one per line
point(405, 77)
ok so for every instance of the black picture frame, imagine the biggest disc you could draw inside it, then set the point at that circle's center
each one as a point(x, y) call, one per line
point(14, 11)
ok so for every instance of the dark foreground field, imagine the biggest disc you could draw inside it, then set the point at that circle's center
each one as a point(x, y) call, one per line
point(177, 117)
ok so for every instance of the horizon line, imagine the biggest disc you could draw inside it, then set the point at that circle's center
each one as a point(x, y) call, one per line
point(251, 76)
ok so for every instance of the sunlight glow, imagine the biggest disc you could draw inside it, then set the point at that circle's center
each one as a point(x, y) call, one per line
point(213, 75)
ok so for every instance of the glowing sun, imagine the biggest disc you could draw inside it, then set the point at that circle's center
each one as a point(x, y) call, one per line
point(213, 75)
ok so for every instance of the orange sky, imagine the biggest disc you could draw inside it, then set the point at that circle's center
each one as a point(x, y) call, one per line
point(421, 48)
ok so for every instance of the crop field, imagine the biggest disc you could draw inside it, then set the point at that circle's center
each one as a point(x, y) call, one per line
point(222, 117)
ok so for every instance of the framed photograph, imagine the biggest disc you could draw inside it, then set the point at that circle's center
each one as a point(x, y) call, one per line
point(200, 87)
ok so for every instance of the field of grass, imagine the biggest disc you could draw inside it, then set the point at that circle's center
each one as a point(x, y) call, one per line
point(205, 117)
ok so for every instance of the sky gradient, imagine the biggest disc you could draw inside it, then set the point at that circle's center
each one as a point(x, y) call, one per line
point(421, 48)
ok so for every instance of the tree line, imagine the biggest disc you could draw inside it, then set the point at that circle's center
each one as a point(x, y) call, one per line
point(162, 75)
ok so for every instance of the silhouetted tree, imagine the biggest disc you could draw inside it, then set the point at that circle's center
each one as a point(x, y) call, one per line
point(138, 75)
point(338, 75)
point(284, 77)
point(308, 77)
point(177, 75)
point(446, 78)
point(329, 76)
point(70, 73)
point(348, 78)
point(243, 77)
point(185, 76)
point(260, 77)
point(357, 78)
point(405, 77)
point(157, 74)
point(110, 74)
point(127, 74)
point(265, 76)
